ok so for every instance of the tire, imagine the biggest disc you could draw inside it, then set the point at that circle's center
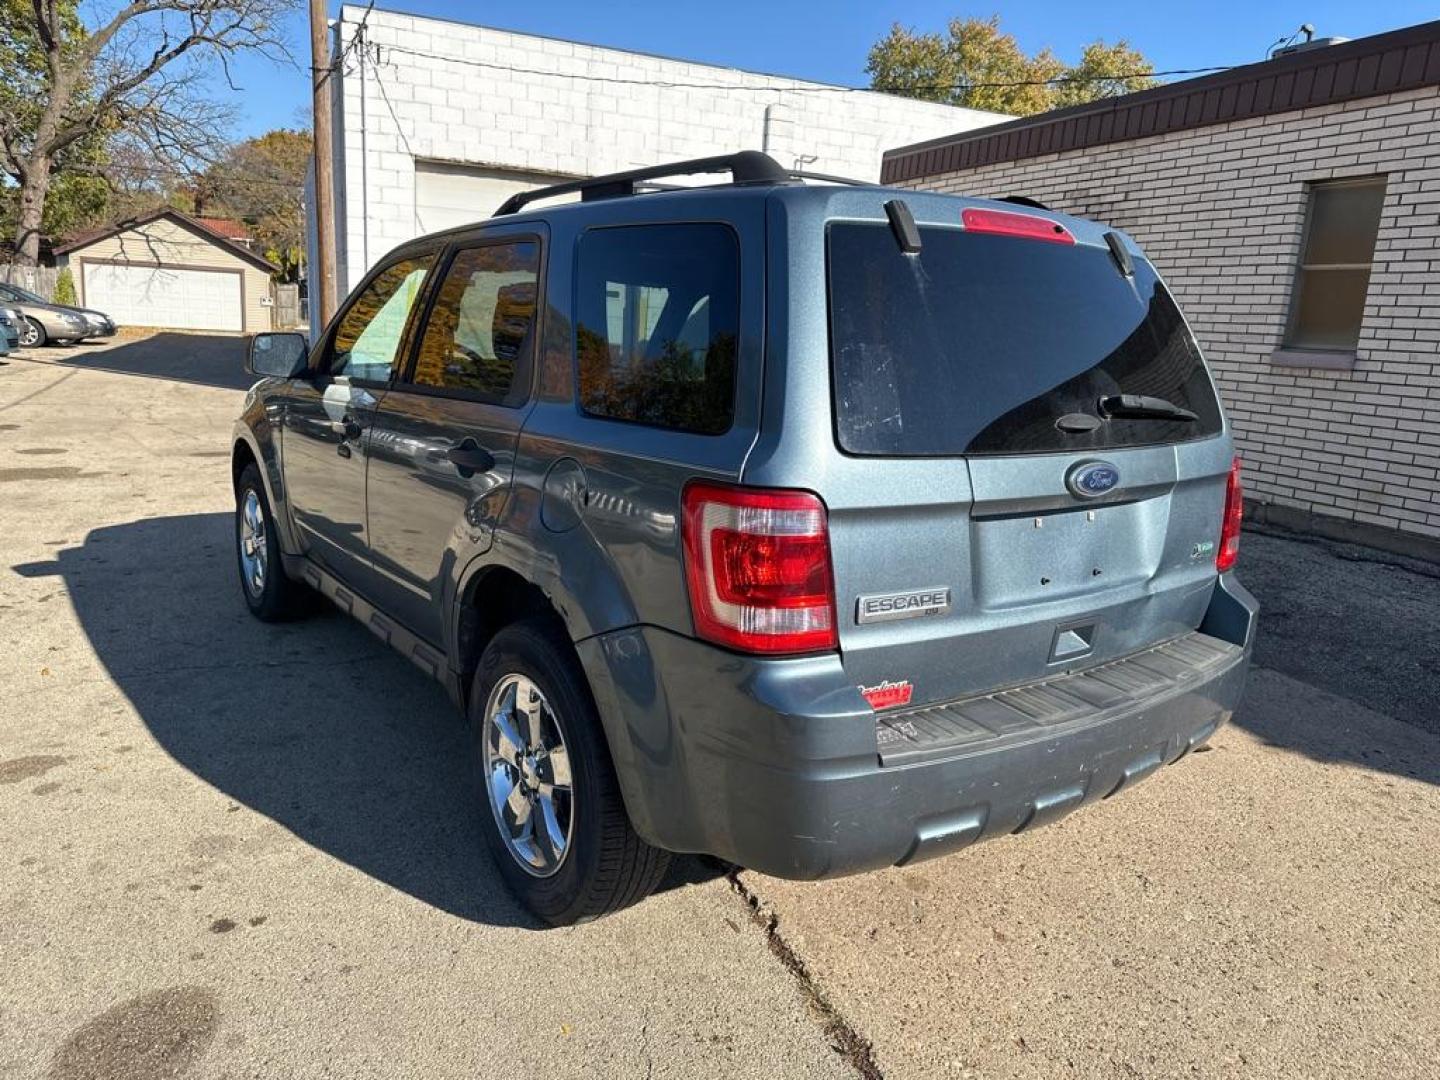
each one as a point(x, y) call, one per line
point(604, 866)
point(269, 594)
point(32, 334)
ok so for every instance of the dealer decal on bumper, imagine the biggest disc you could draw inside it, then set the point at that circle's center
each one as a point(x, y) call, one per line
point(888, 694)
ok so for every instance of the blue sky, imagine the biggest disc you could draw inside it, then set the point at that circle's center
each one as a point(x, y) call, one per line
point(828, 41)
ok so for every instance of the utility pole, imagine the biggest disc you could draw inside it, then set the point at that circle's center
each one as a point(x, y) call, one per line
point(323, 286)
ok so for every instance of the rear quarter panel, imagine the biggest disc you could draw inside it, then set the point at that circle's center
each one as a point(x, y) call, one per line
point(595, 514)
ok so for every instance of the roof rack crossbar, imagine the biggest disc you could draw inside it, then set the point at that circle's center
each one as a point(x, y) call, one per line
point(746, 167)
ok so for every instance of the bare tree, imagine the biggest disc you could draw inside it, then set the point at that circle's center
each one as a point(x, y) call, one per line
point(135, 75)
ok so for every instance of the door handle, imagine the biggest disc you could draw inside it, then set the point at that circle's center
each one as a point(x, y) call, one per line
point(347, 427)
point(469, 457)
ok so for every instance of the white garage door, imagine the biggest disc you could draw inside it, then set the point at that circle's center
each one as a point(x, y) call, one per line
point(156, 296)
point(450, 195)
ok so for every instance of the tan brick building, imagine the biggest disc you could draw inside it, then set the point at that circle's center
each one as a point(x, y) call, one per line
point(1294, 207)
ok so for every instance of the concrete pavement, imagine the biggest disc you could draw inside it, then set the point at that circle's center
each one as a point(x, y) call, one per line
point(235, 850)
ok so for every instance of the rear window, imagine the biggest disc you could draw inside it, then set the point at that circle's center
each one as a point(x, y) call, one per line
point(978, 344)
point(657, 318)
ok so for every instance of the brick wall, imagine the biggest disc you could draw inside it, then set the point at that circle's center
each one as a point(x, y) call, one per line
point(429, 98)
point(1221, 211)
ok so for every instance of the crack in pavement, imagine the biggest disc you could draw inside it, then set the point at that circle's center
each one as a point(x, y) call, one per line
point(857, 1050)
point(36, 393)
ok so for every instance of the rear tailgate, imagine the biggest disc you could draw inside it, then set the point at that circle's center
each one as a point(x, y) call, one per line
point(1013, 549)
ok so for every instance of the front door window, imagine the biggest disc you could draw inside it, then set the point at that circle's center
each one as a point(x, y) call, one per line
point(367, 341)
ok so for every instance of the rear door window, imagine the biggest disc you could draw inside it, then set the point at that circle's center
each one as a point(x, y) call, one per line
point(978, 344)
point(478, 337)
point(657, 322)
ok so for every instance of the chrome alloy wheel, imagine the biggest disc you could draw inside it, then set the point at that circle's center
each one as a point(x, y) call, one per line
point(527, 775)
point(29, 334)
point(253, 553)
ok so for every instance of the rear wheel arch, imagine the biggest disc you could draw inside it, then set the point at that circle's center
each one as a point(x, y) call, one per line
point(492, 598)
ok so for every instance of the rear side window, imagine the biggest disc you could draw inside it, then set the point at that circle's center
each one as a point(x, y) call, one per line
point(657, 321)
point(978, 344)
point(478, 335)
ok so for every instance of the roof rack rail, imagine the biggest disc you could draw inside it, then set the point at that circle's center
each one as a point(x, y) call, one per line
point(746, 167)
point(830, 178)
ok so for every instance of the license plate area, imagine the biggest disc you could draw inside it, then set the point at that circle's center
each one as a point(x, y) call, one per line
point(1034, 558)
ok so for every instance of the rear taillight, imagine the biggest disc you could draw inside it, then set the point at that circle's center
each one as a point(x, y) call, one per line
point(1004, 223)
point(757, 563)
point(1230, 525)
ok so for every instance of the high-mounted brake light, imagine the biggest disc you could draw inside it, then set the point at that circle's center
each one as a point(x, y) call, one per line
point(757, 563)
point(1005, 223)
point(1229, 549)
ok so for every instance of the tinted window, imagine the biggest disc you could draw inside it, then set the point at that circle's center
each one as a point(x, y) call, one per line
point(1334, 267)
point(657, 320)
point(369, 333)
point(24, 296)
point(978, 344)
point(478, 336)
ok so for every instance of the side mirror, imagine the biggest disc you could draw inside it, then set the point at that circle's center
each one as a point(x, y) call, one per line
point(282, 355)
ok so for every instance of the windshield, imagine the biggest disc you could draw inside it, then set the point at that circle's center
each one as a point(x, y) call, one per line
point(978, 344)
point(14, 292)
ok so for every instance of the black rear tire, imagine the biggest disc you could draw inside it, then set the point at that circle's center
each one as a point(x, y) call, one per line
point(606, 866)
point(271, 595)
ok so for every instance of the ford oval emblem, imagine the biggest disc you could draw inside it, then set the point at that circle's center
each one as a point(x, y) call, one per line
point(1091, 479)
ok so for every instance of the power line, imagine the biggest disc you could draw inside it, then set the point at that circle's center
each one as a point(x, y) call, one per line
point(1059, 80)
point(162, 173)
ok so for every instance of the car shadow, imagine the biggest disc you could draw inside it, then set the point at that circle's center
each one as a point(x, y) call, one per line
point(314, 724)
point(203, 359)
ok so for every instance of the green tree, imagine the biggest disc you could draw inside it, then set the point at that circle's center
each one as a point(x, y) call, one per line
point(134, 73)
point(64, 288)
point(1104, 71)
point(261, 181)
point(977, 65)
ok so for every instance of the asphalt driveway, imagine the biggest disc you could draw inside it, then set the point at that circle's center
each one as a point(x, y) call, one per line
point(202, 359)
point(235, 850)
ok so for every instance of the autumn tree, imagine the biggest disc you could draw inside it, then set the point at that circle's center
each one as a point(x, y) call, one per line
point(261, 181)
point(977, 65)
point(133, 73)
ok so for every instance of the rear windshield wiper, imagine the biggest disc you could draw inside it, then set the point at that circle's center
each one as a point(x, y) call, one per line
point(1141, 407)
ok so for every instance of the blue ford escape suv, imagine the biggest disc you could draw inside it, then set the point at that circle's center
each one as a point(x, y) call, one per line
point(817, 527)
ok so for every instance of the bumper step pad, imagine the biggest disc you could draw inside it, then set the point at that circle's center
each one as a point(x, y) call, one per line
point(1070, 700)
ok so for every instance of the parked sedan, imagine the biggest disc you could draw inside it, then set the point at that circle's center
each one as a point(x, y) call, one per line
point(43, 321)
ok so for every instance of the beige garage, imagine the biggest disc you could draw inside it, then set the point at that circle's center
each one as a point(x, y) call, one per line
point(167, 269)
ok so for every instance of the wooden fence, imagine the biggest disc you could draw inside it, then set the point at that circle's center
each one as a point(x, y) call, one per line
point(38, 279)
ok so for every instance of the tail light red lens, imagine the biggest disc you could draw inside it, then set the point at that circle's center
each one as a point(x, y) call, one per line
point(1004, 223)
point(1230, 526)
point(757, 563)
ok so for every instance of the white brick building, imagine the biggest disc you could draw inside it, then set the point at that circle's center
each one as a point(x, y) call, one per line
point(1334, 392)
point(437, 122)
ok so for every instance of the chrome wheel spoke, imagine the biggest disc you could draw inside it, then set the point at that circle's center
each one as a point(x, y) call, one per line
point(555, 771)
point(519, 808)
point(529, 706)
point(549, 836)
point(505, 742)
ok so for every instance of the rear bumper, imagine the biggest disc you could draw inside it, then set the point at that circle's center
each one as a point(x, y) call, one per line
point(775, 764)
